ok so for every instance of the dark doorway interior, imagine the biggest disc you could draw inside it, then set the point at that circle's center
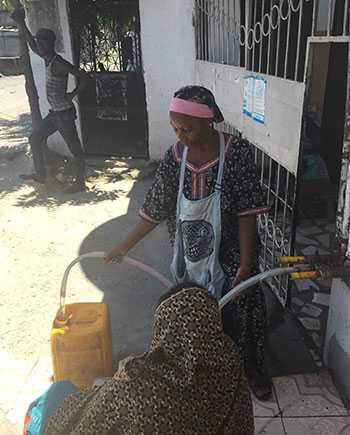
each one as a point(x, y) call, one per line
point(324, 130)
point(319, 180)
point(106, 41)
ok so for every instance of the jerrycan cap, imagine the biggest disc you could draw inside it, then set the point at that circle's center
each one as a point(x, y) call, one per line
point(62, 319)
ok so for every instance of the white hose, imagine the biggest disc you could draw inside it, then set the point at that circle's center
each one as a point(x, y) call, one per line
point(236, 291)
point(232, 294)
point(99, 254)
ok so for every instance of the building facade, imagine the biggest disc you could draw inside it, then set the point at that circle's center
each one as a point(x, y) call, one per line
point(279, 70)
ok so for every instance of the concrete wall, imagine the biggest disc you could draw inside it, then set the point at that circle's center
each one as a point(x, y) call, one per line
point(337, 344)
point(279, 137)
point(51, 14)
point(9, 43)
point(320, 59)
point(5, 20)
point(168, 52)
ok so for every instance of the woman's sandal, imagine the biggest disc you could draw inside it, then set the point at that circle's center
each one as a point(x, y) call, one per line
point(261, 386)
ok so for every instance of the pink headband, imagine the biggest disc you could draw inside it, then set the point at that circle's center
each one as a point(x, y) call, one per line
point(190, 108)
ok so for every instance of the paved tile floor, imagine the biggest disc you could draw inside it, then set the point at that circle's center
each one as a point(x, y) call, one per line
point(310, 299)
point(302, 405)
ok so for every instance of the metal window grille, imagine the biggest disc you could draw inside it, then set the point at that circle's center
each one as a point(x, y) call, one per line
point(107, 35)
point(266, 36)
point(276, 229)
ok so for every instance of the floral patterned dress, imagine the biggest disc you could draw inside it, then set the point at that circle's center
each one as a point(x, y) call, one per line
point(244, 320)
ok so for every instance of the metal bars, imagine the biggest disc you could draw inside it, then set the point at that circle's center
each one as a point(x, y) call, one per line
point(105, 42)
point(239, 33)
point(276, 227)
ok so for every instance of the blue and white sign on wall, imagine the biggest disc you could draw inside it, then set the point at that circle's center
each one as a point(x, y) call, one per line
point(248, 95)
point(259, 100)
point(254, 91)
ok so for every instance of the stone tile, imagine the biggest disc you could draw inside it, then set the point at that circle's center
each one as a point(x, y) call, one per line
point(302, 240)
point(266, 409)
point(36, 384)
point(309, 250)
point(308, 395)
point(325, 284)
point(321, 222)
point(6, 427)
point(324, 239)
point(321, 299)
point(310, 230)
point(13, 375)
point(317, 426)
point(315, 356)
point(269, 426)
point(298, 302)
point(305, 284)
point(317, 339)
point(312, 324)
point(311, 310)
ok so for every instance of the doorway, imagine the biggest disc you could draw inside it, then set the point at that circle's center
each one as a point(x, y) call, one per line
point(107, 44)
point(319, 176)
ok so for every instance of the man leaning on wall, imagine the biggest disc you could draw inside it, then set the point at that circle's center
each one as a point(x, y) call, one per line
point(62, 113)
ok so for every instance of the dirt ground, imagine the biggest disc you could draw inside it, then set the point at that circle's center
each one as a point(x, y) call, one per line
point(42, 230)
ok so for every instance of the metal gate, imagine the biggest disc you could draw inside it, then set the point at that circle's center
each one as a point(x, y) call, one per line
point(276, 228)
point(106, 43)
point(270, 37)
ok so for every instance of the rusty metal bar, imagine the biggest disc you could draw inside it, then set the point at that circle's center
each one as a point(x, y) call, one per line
point(346, 15)
point(330, 8)
point(298, 43)
point(343, 215)
point(287, 45)
point(314, 16)
point(278, 44)
point(269, 42)
point(261, 34)
point(253, 37)
point(247, 15)
point(222, 26)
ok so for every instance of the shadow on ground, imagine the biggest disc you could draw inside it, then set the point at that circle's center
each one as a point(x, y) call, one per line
point(102, 174)
point(130, 294)
point(15, 131)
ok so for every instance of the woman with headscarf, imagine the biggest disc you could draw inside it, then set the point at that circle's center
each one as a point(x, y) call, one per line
point(207, 189)
point(191, 382)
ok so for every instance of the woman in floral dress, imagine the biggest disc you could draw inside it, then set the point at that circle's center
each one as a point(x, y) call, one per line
point(207, 189)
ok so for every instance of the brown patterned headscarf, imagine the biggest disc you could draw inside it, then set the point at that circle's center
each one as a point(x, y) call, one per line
point(190, 382)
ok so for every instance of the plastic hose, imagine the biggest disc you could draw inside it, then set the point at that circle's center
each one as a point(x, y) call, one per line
point(232, 294)
point(99, 254)
point(236, 291)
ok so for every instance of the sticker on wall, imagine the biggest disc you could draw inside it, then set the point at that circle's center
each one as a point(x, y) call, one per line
point(248, 95)
point(259, 100)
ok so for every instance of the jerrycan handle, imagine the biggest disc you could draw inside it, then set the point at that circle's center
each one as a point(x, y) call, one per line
point(99, 254)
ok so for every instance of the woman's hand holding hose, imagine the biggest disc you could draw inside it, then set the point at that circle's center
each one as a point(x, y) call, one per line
point(136, 235)
point(243, 273)
point(115, 255)
point(247, 236)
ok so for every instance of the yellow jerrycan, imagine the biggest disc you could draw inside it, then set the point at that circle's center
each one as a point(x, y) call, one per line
point(81, 339)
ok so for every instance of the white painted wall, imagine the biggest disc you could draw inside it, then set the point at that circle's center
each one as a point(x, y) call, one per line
point(279, 137)
point(55, 142)
point(168, 52)
point(337, 344)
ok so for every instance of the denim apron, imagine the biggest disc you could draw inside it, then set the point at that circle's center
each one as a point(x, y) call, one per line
point(198, 234)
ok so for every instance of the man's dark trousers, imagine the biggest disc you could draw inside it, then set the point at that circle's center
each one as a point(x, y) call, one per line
point(64, 123)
